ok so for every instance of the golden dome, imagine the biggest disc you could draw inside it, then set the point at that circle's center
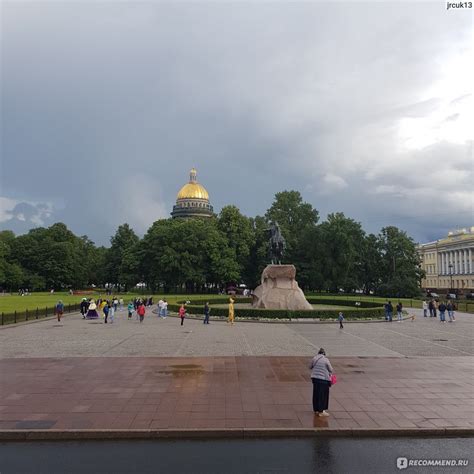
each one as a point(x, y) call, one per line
point(193, 190)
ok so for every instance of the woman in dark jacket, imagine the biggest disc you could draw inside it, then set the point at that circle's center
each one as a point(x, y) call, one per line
point(321, 371)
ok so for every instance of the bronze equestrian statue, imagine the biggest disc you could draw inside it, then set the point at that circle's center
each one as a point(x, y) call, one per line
point(277, 243)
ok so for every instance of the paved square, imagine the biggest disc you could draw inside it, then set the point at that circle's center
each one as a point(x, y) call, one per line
point(76, 337)
point(233, 392)
point(85, 375)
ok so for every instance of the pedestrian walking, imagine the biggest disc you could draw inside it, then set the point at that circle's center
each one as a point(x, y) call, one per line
point(321, 372)
point(141, 312)
point(84, 307)
point(160, 308)
point(425, 308)
point(431, 308)
point(112, 313)
point(130, 309)
point(92, 311)
point(182, 313)
point(165, 309)
point(388, 311)
point(435, 309)
point(400, 311)
point(207, 311)
point(121, 304)
point(442, 312)
point(102, 305)
point(340, 318)
point(105, 310)
point(59, 310)
point(231, 311)
point(115, 303)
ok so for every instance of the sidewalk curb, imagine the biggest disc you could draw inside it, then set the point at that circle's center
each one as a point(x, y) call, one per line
point(231, 433)
point(223, 319)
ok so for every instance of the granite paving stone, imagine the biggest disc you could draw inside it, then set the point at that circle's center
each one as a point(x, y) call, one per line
point(188, 400)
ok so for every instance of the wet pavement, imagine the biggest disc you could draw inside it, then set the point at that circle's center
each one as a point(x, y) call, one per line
point(331, 455)
point(165, 393)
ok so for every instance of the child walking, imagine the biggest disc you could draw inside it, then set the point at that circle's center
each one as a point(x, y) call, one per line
point(182, 314)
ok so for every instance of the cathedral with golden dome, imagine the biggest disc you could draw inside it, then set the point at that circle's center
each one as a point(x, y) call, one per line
point(192, 200)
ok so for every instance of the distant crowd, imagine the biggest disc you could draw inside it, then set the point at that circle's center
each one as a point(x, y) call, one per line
point(432, 308)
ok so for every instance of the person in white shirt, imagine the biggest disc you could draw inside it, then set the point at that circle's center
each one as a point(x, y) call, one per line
point(425, 309)
point(160, 308)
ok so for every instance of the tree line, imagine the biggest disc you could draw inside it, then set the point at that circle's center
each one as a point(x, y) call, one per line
point(205, 254)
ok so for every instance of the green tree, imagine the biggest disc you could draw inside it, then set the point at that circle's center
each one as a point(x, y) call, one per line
point(341, 239)
point(239, 233)
point(187, 253)
point(401, 272)
point(293, 215)
point(369, 267)
point(51, 255)
point(121, 267)
point(259, 252)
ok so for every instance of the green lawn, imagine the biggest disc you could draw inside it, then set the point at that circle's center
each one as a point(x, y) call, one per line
point(11, 303)
point(41, 300)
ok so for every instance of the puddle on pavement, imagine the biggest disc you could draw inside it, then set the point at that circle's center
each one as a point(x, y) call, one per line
point(183, 370)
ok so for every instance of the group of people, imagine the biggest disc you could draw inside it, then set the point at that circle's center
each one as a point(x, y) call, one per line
point(433, 307)
point(322, 373)
point(388, 307)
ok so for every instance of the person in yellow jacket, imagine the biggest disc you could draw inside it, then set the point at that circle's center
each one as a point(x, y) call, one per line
point(231, 311)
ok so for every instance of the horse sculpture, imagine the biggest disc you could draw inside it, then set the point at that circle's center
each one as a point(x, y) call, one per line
point(277, 243)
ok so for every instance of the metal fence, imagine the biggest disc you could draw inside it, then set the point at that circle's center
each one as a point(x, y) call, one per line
point(38, 313)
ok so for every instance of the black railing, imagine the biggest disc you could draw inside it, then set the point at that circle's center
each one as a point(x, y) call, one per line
point(38, 313)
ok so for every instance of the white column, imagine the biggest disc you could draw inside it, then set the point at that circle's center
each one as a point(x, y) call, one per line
point(455, 257)
point(464, 255)
point(443, 259)
point(470, 261)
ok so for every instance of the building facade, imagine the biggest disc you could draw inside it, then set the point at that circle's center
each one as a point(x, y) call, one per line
point(448, 263)
point(192, 200)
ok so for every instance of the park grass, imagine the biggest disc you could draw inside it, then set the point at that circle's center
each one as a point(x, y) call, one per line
point(10, 303)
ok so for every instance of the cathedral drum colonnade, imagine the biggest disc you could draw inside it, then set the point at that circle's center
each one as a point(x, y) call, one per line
point(448, 262)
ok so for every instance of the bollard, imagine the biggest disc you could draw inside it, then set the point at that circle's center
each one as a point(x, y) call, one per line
point(15, 316)
point(26, 314)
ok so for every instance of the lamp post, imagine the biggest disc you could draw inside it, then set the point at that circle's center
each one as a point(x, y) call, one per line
point(450, 266)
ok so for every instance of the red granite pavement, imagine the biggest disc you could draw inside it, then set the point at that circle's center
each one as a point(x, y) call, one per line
point(164, 393)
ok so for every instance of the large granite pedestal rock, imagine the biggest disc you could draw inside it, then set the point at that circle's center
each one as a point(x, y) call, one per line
point(279, 290)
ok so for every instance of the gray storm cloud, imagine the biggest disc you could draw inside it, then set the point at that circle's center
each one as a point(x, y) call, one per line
point(105, 107)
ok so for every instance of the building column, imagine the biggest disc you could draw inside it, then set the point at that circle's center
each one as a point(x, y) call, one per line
point(464, 254)
point(455, 258)
point(470, 260)
point(443, 258)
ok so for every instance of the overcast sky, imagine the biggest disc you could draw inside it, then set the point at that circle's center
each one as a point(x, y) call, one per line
point(365, 108)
